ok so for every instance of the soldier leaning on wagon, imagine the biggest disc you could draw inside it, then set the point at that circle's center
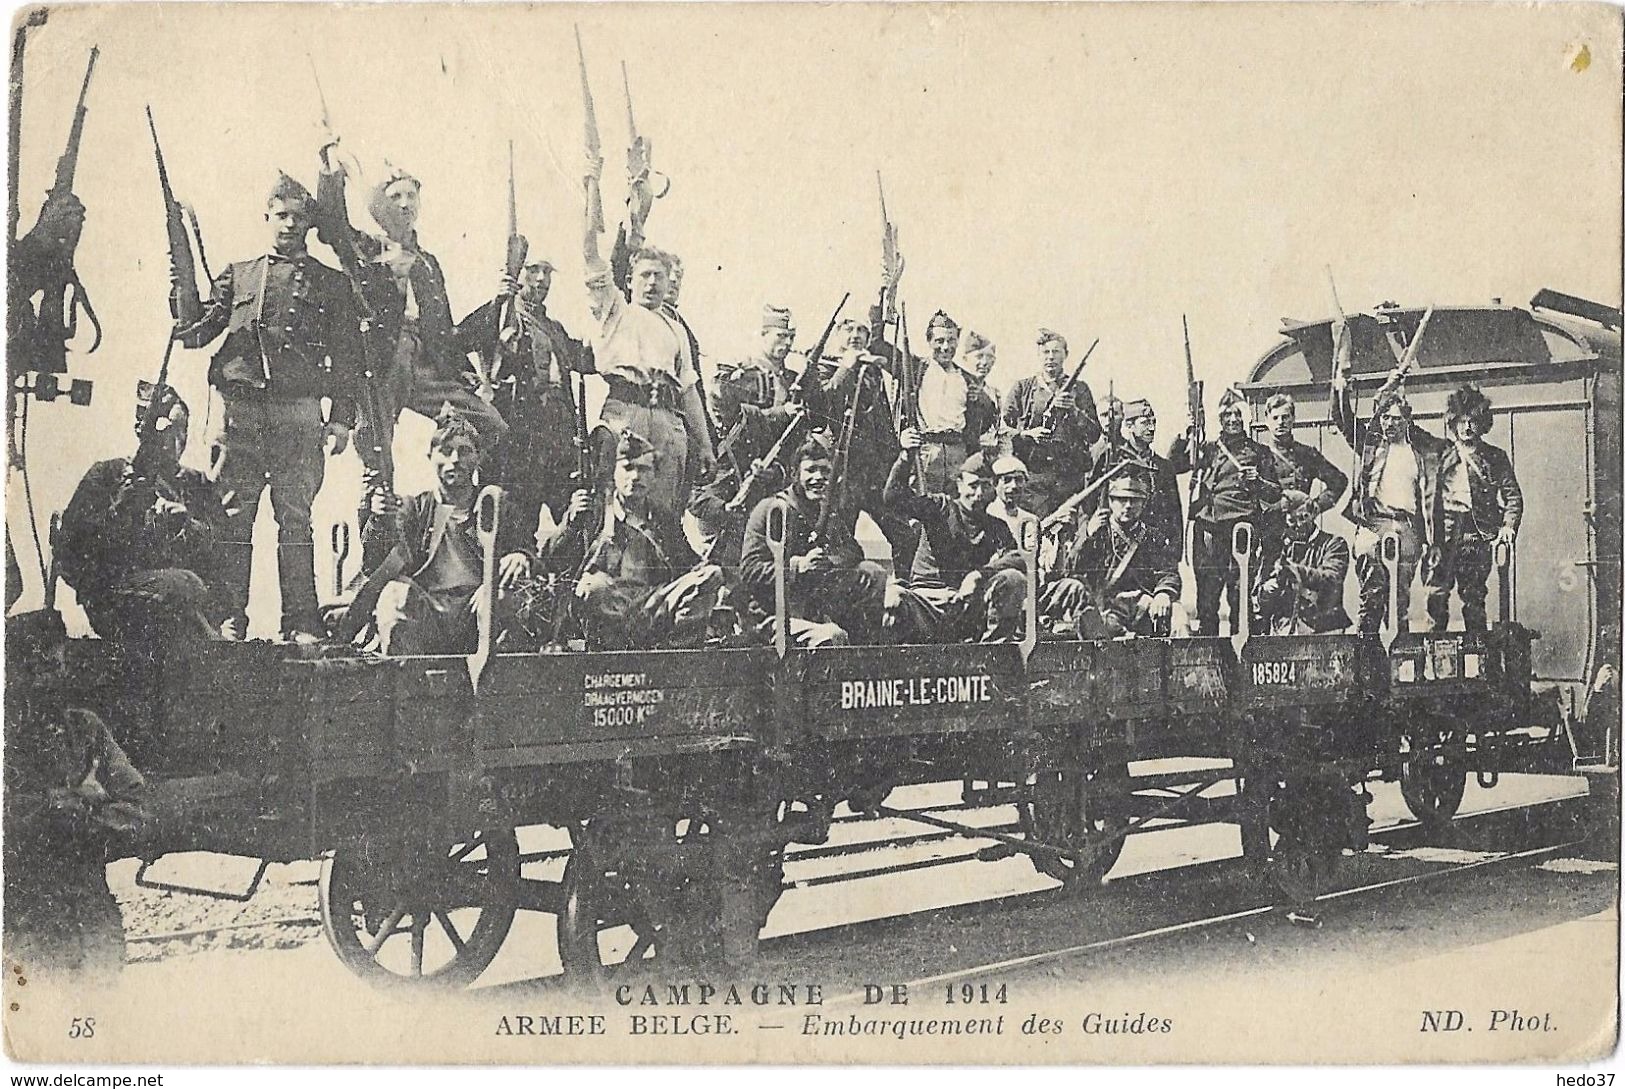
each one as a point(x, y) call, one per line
point(1480, 507)
point(291, 338)
point(873, 444)
point(1057, 456)
point(835, 596)
point(1302, 591)
point(71, 797)
point(967, 581)
point(1237, 484)
point(640, 584)
point(953, 415)
point(536, 462)
point(417, 361)
point(1119, 577)
point(1396, 487)
point(1164, 510)
point(427, 590)
point(646, 359)
point(139, 538)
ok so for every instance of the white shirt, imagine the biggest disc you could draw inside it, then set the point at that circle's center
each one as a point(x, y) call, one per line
point(634, 343)
point(1396, 487)
point(942, 399)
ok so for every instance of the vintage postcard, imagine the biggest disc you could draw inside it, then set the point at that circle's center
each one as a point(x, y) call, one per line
point(812, 534)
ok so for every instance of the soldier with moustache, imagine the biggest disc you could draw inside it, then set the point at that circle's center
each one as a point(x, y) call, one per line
point(1236, 483)
point(292, 337)
point(1058, 455)
point(1302, 591)
point(1118, 577)
point(835, 595)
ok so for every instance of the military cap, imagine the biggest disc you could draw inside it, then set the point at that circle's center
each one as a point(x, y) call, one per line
point(542, 263)
point(777, 317)
point(1133, 410)
point(941, 319)
point(450, 425)
point(1128, 486)
point(1231, 396)
point(396, 174)
point(977, 464)
point(816, 448)
point(976, 342)
point(288, 189)
point(632, 446)
point(1009, 464)
point(1047, 335)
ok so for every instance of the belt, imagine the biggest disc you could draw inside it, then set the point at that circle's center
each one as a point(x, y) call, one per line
point(659, 394)
point(942, 436)
point(1388, 514)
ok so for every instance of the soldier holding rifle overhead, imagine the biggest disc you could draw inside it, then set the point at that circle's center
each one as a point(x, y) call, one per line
point(291, 338)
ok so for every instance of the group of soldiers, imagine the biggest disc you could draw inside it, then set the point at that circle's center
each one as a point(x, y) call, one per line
point(658, 524)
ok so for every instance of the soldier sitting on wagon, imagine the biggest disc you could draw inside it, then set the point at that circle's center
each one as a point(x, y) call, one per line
point(139, 537)
point(1302, 592)
point(968, 580)
point(71, 797)
point(835, 595)
point(1481, 507)
point(1119, 577)
point(640, 584)
point(427, 589)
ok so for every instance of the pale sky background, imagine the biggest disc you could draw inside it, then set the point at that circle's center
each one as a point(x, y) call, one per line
point(1095, 169)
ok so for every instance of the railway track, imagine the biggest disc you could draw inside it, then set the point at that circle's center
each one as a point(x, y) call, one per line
point(893, 843)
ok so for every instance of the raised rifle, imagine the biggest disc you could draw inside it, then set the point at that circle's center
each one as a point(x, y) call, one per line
point(1049, 419)
point(64, 295)
point(1063, 513)
point(584, 481)
point(1197, 437)
point(639, 166)
point(908, 385)
point(185, 301)
point(828, 506)
point(595, 200)
point(508, 305)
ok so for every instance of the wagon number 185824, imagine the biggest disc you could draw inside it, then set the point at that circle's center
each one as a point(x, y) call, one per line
point(1275, 672)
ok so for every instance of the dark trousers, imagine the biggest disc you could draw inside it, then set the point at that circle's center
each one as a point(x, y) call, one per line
point(1217, 573)
point(1466, 557)
point(276, 445)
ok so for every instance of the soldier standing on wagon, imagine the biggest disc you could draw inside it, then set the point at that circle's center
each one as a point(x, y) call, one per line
point(952, 417)
point(139, 537)
point(835, 595)
point(753, 394)
point(1164, 510)
point(1057, 455)
point(1304, 473)
point(647, 360)
point(1396, 487)
point(640, 585)
point(1237, 485)
point(1482, 506)
point(536, 463)
point(968, 580)
point(291, 338)
point(1302, 591)
point(420, 364)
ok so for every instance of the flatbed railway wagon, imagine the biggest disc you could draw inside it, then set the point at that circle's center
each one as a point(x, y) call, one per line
point(683, 777)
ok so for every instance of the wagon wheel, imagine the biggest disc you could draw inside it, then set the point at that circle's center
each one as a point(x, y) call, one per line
point(621, 917)
point(1431, 784)
point(1072, 808)
point(421, 917)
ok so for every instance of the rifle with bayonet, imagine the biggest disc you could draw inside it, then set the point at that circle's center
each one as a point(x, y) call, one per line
point(508, 326)
point(1049, 419)
point(185, 301)
point(639, 168)
point(64, 295)
point(1197, 436)
point(595, 201)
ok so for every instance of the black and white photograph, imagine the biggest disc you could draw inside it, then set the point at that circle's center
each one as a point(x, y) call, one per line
point(812, 534)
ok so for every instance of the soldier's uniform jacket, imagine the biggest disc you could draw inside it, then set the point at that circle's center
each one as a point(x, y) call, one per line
point(644, 549)
point(1298, 466)
point(751, 393)
point(1164, 508)
point(1112, 563)
point(956, 541)
point(423, 521)
point(532, 389)
point(1224, 495)
point(1497, 500)
point(1075, 432)
point(800, 521)
point(111, 531)
point(1323, 562)
point(291, 330)
point(873, 445)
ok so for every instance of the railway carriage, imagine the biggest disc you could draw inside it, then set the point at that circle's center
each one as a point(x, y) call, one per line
point(678, 781)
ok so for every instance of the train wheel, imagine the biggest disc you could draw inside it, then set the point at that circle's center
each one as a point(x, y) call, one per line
point(1430, 784)
point(421, 917)
point(1072, 808)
